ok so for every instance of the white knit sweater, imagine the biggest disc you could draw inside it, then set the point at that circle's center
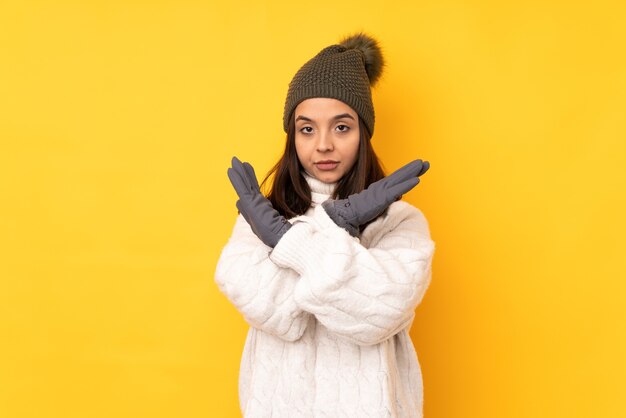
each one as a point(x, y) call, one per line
point(330, 313)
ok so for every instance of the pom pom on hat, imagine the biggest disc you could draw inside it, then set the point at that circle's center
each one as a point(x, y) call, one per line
point(374, 61)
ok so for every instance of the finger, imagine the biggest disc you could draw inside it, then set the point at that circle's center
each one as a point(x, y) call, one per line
point(238, 182)
point(234, 161)
point(405, 172)
point(251, 176)
point(235, 180)
point(424, 169)
point(404, 187)
point(239, 167)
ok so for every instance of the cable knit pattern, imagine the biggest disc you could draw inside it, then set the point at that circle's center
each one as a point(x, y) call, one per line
point(330, 313)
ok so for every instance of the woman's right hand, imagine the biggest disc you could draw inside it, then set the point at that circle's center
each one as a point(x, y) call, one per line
point(362, 207)
point(265, 221)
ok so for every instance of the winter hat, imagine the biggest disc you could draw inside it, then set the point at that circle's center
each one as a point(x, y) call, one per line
point(343, 71)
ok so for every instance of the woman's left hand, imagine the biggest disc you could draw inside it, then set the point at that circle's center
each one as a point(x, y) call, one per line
point(266, 222)
point(360, 208)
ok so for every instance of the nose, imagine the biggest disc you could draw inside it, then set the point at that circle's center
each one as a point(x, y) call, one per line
point(325, 142)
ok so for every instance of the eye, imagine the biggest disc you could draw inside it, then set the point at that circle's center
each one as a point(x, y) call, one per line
point(344, 130)
point(306, 127)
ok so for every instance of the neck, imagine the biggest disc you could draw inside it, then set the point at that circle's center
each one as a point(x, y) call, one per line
point(320, 191)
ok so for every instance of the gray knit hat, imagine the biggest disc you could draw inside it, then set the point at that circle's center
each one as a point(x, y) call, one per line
point(344, 71)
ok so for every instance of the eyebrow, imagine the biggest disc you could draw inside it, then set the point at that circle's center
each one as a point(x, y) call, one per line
point(343, 115)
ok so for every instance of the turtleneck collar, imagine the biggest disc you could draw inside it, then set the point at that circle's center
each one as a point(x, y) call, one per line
point(320, 191)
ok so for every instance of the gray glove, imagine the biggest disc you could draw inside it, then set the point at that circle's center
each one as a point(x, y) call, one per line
point(266, 222)
point(362, 207)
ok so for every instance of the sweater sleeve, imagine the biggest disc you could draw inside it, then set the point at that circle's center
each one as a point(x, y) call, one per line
point(364, 295)
point(259, 289)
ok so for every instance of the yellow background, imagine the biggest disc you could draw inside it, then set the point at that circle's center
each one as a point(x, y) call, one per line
point(118, 120)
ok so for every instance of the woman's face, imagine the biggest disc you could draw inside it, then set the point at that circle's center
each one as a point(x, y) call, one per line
point(327, 130)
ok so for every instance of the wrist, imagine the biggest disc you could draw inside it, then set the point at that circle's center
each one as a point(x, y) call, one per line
point(338, 211)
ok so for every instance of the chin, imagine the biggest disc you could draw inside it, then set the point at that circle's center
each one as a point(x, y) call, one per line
point(329, 178)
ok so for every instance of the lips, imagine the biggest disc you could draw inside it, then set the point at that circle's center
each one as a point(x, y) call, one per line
point(326, 165)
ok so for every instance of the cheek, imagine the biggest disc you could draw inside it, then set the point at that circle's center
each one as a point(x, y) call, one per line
point(354, 149)
point(300, 152)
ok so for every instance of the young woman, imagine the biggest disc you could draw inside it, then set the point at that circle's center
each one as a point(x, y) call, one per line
point(330, 266)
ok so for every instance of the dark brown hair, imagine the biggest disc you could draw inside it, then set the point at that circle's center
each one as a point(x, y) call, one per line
point(290, 194)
